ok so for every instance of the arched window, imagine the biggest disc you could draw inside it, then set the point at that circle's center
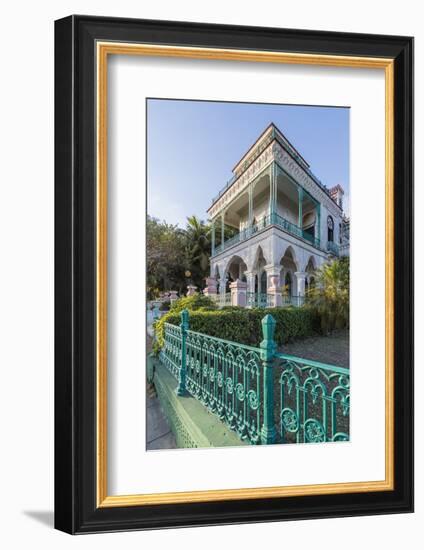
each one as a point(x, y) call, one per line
point(330, 228)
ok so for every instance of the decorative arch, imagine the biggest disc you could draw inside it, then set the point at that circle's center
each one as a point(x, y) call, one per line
point(311, 265)
point(289, 256)
point(259, 258)
point(236, 268)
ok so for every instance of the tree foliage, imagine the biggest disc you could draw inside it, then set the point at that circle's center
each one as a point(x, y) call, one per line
point(177, 257)
point(330, 294)
point(165, 249)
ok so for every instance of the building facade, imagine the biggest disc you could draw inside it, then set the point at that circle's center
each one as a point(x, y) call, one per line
point(286, 224)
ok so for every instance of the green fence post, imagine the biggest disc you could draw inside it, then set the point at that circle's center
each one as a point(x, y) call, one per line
point(181, 389)
point(268, 347)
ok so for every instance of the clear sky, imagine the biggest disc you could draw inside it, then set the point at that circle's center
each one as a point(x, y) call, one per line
point(192, 147)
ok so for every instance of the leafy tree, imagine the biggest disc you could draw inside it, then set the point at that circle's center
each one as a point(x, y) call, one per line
point(165, 249)
point(330, 294)
point(177, 257)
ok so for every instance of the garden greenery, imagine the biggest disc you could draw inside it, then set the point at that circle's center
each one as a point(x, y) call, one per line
point(243, 325)
point(330, 295)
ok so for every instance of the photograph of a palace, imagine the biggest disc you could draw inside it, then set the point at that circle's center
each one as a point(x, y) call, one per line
point(288, 224)
point(247, 312)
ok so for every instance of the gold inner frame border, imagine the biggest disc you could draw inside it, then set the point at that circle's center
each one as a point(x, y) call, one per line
point(103, 50)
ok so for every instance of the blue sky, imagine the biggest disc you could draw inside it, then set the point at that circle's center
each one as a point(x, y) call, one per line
point(192, 147)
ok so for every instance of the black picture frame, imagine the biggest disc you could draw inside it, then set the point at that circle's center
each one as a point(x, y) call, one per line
point(76, 510)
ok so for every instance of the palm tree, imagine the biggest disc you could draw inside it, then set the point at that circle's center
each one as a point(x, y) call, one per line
point(330, 294)
point(198, 245)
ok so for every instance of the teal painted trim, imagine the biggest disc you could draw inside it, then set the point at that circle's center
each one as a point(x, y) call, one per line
point(296, 184)
point(236, 383)
point(300, 212)
point(315, 364)
point(182, 390)
point(267, 221)
point(259, 299)
point(268, 347)
point(314, 401)
point(264, 170)
point(222, 341)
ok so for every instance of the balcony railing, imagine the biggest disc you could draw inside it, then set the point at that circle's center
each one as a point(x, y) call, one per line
point(259, 299)
point(333, 248)
point(266, 221)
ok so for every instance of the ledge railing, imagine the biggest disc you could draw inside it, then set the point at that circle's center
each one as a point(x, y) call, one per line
point(264, 396)
point(263, 223)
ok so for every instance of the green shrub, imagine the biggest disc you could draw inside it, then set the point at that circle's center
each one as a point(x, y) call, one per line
point(193, 303)
point(244, 325)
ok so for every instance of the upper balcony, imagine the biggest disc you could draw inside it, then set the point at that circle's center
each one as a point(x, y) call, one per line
point(267, 221)
point(273, 199)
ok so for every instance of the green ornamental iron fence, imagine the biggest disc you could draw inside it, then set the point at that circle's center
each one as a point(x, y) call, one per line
point(264, 396)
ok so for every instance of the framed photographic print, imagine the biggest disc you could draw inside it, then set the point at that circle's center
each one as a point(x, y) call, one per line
point(234, 255)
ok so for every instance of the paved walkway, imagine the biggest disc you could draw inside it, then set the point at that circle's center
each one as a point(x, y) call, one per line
point(159, 435)
point(333, 349)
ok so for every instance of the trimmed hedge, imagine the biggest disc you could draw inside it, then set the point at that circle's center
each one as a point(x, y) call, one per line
point(244, 325)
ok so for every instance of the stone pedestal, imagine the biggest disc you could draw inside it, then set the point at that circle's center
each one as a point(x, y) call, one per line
point(191, 290)
point(173, 296)
point(274, 290)
point(238, 293)
point(211, 287)
point(300, 278)
point(273, 285)
point(250, 278)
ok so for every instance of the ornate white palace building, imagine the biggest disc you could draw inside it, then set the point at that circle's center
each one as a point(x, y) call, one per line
point(288, 224)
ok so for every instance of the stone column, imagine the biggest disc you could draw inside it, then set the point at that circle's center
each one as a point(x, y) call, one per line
point(191, 290)
point(273, 285)
point(250, 287)
point(222, 230)
point(272, 192)
point(300, 278)
point(238, 293)
point(213, 238)
point(222, 286)
point(210, 289)
point(300, 213)
point(318, 223)
point(250, 215)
